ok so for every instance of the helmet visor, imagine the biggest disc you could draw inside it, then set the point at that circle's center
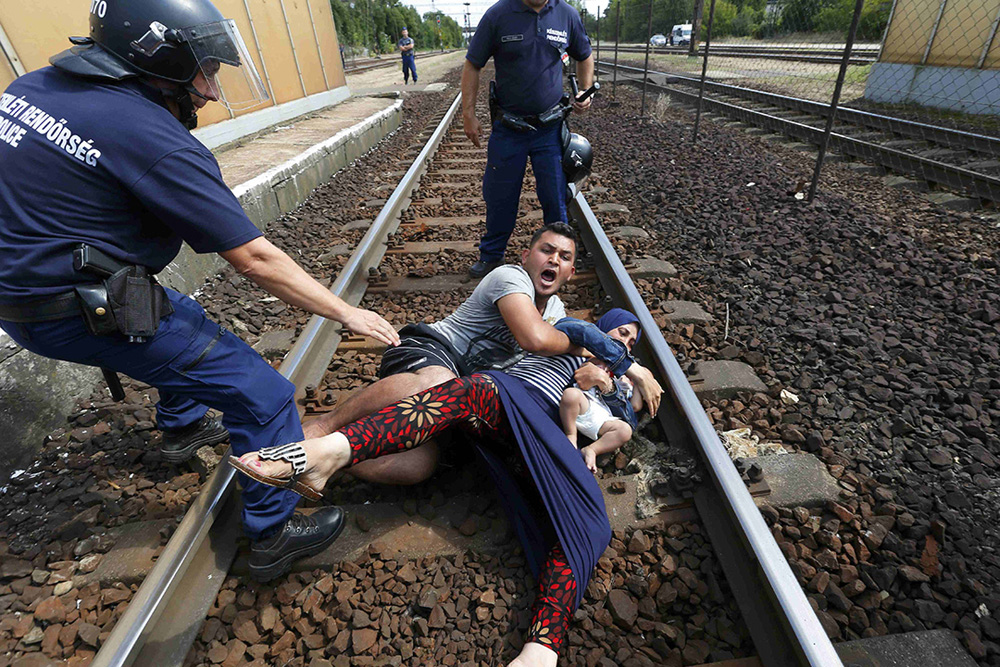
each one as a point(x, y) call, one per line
point(223, 60)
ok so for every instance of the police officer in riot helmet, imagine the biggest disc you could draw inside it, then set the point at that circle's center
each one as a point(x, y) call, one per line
point(101, 183)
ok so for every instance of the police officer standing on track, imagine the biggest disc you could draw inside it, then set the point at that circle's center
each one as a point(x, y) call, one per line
point(406, 45)
point(101, 181)
point(527, 40)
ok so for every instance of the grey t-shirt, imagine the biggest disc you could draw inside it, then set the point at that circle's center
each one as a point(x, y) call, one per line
point(477, 331)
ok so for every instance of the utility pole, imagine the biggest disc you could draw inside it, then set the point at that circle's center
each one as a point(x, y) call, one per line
point(699, 8)
point(597, 65)
point(468, 22)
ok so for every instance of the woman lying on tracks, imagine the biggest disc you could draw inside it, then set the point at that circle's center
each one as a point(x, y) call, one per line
point(551, 498)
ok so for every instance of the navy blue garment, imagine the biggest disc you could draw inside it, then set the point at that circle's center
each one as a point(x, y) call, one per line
point(617, 317)
point(409, 67)
point(506, 159)
point(574, 504)
point(193, 360)
point(526, 47)
point(107, 164)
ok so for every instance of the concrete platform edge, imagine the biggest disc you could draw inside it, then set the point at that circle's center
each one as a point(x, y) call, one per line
point(36, 394)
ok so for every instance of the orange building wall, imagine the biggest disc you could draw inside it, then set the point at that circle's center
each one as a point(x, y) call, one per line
point(38, 30)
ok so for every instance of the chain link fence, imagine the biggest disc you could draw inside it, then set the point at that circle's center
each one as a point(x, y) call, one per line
point(909, 87)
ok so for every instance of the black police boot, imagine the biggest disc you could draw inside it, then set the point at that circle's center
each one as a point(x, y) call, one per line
point(301, 536)
point(179, 445)
point(482, 267)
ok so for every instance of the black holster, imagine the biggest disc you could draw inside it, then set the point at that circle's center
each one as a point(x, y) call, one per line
point(137, 302)
point(494, 103)
point(97, 313)
point(128, 300)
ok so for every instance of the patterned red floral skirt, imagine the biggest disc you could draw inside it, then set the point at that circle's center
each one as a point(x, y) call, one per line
point(473, 403)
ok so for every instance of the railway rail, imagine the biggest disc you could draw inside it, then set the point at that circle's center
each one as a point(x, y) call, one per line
point(958, 161)
point(821, 55)
point(167, 611)
point(375, 63)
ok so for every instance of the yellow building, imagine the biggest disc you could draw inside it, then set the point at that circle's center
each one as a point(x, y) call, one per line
point(293, 43)
point(940, 53)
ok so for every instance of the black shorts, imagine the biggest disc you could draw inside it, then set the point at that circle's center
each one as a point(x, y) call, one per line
point(420, 346)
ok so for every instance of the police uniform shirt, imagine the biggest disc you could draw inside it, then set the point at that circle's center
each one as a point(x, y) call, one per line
point(526, 47)
point(105, 164)
point(405, 41)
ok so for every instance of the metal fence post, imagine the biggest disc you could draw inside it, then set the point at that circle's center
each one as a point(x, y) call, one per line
point(645, 68)
point(295, 55)
point(618, 25)
point(934, 30)
point(858, 5)
point(704, 67)
point(7, 49)
point(699, 9)
point(319, 47)
point(597, 65)
point(260, 52)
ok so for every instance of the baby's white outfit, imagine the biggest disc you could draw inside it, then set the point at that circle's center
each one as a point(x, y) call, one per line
point(598, 414)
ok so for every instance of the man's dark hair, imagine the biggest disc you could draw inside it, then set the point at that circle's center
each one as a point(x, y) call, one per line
point(560, 228)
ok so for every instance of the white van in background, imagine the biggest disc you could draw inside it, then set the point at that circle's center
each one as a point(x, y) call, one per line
point(680, 35)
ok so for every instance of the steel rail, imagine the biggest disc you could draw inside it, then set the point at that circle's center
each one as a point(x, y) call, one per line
point(787, 50)
point(807, 57)
point(782, 623)
point(971, 141)
point(954, 177)
point(784, 627)
point(387, 63)
point(138, 624)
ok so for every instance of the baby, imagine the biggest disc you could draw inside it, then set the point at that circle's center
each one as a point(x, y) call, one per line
point(604, 414)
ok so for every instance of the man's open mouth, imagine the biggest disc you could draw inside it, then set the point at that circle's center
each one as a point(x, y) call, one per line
point(548, 276)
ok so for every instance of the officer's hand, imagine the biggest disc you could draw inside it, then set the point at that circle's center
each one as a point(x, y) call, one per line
point(473, 130)
point(367, 323)
point(581, 107)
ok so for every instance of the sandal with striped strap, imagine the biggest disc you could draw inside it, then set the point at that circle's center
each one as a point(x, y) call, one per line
point(292, 453)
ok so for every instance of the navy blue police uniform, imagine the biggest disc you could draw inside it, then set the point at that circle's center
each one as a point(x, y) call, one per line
point(134, 186)
point(526, 47)
point(409, 60)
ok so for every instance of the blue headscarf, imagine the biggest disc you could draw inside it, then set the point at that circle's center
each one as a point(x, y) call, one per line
point(617, 317)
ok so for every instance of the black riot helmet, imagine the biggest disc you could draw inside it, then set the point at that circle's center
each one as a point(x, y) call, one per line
point(172, 40)
point(578, 157)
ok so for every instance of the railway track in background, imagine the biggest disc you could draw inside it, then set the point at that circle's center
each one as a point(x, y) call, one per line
point(938, 157)
point(804, 54)
point(418, 218)
point(366, 64)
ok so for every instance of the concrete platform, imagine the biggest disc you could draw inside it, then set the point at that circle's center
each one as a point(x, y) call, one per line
point(251, 158)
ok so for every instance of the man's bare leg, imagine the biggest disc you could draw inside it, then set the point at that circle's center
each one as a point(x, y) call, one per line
point(410, 467)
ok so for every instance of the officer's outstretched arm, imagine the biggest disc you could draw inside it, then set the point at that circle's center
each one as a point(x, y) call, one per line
point(260, 261)
point(470, 91)
point(531, 332)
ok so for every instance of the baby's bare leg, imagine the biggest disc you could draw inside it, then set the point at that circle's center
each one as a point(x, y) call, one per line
point(573, 404)
point(613, 434)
